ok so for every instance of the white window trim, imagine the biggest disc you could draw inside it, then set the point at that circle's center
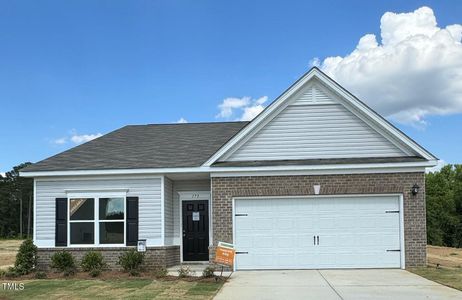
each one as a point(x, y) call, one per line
point(96, 221)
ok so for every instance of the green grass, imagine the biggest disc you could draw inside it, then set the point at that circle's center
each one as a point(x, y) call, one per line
point(112, 289)
point(445, 276)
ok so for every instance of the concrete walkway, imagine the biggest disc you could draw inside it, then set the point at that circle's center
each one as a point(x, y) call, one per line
point(333, 284)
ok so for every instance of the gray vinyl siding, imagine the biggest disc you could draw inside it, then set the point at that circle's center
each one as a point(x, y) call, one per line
point(314, 126)
point(168, 211)
point(147, 189)
point(184, 186)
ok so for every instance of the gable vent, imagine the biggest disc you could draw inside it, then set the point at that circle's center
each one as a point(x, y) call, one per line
point(312, 96)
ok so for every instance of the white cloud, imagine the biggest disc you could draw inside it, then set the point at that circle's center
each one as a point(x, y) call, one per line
point(439, 166)
point(182, 120)
point(60, 141)
point(83, 138)
point(243, 109)
point(415, 71)
point(75, 138)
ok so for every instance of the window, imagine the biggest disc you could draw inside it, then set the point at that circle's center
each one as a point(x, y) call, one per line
point(97, 221)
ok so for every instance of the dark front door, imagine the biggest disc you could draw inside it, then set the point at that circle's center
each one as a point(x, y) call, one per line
point(195, 230)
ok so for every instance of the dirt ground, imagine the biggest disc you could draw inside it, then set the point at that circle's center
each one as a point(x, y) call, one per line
point(8, 249)
point(444, 256)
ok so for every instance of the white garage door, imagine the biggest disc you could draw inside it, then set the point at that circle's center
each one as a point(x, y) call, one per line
point(317, 232)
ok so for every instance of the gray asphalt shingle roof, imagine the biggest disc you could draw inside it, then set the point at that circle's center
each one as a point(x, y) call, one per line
point(145, 146)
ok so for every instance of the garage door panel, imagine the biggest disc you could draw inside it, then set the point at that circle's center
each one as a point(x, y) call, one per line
point(354, 232)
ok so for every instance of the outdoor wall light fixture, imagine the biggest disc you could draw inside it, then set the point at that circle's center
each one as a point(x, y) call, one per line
point(415, 189)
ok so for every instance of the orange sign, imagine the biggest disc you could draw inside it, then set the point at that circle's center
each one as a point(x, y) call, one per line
point(224, 255)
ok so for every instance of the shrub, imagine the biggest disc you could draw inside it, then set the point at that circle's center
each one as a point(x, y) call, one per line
point(93, 262)
point(185, 271)
point(208, 272)
point(131, 261)
point(160, 272)
point(95, 272)
point(2, 273)
point(26, 259)
point(64, 262)
point(11, 273)
point(40, 275)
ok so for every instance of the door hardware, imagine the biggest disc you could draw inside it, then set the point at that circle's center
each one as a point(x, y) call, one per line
point(392, 211)
point(241, 215)
point(317, 239)
point(314, 240)
point(242, 252)
point(394, 250)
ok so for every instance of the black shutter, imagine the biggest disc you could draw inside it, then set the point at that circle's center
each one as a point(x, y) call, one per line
point(132, 221)
point(61, 222)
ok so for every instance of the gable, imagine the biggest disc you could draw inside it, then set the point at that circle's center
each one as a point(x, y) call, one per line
point(315, 123)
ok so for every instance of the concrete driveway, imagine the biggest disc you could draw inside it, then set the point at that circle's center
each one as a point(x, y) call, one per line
point(333, 284)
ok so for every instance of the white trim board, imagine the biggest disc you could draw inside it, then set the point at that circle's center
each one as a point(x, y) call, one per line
point(379, 123)
point(162, 209)
point(49, 175)
point(34, 216)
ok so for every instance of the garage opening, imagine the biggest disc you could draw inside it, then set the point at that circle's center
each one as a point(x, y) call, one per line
point(317, 232)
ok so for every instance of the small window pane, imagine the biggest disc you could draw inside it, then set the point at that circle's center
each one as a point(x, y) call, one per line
point(82, 209)
point(111, 232)
point(82, 233)
point(111, 208)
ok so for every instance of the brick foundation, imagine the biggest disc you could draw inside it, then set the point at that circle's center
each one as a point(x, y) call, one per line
point(154, 256)
point(225, 188)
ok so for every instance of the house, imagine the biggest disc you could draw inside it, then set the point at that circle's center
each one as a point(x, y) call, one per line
point(317, 180)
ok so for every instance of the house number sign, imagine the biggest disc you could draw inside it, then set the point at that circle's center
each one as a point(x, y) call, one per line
point(195, 216)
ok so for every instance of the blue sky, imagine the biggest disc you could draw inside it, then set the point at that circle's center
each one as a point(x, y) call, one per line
point(74, 68)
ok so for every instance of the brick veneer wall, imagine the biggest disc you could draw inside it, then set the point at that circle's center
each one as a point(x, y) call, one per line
point(154, 256)
point(225, 188)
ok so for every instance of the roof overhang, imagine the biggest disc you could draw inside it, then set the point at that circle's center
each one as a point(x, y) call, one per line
point(324, 169)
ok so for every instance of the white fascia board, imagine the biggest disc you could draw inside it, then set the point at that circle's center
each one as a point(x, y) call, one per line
point(361, 107)
point(423, 164)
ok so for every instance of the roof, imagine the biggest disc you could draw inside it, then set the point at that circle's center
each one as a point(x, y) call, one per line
point(314, 162)
point(145, 146)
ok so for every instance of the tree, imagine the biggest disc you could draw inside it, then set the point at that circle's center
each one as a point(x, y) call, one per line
point(444, 206)
point(15, 199)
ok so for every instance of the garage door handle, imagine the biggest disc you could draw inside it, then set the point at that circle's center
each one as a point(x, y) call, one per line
point(318, 239)
point(314, 240)
point(242, 252)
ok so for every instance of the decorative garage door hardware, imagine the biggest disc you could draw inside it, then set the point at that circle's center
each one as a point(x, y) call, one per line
point(315, 240)
point(394, 250)
point(392, 212)
point(242, 252)
point(241, 215)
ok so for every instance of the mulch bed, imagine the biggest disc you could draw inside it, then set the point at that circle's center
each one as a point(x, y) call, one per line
point(115, 275)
